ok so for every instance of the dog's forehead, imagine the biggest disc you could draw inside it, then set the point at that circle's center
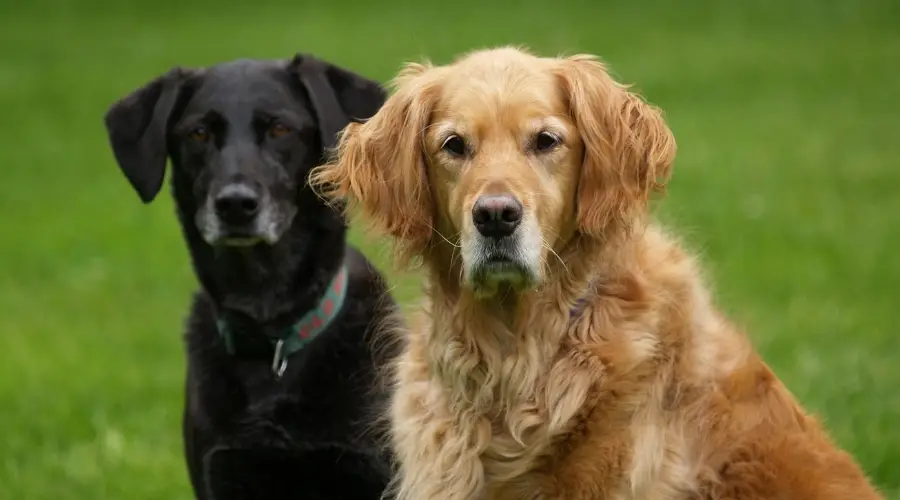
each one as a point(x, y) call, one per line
point(242, 86)
point(505, 91)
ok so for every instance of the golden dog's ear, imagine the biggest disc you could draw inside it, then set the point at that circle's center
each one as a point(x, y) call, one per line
point(378, 166)
point(629, 149)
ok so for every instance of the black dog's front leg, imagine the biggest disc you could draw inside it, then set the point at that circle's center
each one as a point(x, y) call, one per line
point(271, 455)
point(279, 422)
point(272, 474)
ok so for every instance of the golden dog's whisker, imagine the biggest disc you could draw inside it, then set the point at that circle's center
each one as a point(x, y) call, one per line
point(454, 245)
point(546, 245)
point(453, 257)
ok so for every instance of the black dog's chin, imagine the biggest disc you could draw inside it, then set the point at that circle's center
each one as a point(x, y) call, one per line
point(244, 238)
point(221, 236)
point(239, 241)
point(267, 229)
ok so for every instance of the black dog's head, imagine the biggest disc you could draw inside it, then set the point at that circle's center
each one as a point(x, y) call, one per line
point(242, 137)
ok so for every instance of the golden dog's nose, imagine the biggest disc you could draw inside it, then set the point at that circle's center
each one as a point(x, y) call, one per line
point(496, 216)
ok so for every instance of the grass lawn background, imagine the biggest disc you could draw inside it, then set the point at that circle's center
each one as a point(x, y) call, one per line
point(787, 115)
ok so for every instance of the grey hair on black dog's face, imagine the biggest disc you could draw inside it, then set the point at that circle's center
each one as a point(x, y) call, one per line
point(242, 136)
point(245, 139)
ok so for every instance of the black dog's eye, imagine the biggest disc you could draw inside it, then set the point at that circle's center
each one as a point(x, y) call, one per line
point(279, 129)
point(454, 145)
point(545, 141)
point(199, 134)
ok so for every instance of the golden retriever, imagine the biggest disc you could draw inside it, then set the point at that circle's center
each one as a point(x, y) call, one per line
point(570, 349)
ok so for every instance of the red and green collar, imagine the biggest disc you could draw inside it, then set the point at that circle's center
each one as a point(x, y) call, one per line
point(306, 329)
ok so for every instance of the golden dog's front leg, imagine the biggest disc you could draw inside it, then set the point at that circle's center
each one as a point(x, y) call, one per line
point(438, 451)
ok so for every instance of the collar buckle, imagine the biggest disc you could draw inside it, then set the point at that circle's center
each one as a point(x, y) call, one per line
point(279, 361)
point(302, 332)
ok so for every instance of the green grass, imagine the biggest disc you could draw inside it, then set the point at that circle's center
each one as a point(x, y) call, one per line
point(787, 116)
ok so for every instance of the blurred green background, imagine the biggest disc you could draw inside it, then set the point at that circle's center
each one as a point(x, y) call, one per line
point(787, 115)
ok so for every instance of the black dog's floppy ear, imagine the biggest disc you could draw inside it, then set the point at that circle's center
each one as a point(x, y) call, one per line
point(338, 96)
point(136, 125)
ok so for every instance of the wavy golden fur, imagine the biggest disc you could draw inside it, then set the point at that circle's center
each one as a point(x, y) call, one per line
point(609, 373)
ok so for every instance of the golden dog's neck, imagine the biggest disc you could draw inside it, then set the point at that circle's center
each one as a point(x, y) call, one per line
point(471, 341)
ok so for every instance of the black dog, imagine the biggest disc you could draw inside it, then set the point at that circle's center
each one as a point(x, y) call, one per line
point(280, 369)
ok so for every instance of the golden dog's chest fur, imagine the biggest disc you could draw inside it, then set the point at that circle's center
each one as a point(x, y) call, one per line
point(652, 396)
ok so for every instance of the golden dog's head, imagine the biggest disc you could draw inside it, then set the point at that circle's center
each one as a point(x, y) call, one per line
point(497, 162)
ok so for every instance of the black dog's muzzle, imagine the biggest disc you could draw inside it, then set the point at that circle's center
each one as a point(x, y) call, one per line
point(237, 206)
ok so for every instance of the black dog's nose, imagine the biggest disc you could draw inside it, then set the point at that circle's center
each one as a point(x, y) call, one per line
point(237, 204)
point(496, 216)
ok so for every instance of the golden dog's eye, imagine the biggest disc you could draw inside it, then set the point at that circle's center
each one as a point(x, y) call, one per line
point(199, 134)
point(279, 129)
point(454, 145)
point(545, 141)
